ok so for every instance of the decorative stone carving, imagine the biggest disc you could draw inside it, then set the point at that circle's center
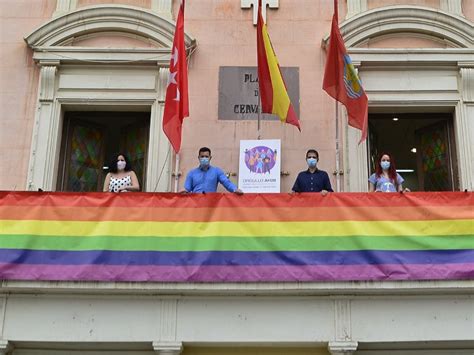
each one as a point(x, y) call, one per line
point(246, 4)
point(467, 79)
point(47, 81)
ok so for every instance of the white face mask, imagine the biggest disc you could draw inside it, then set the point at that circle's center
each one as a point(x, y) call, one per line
point(121, 165)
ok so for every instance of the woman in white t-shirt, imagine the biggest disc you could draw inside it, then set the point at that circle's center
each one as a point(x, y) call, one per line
point(386, 178)
point(121, 177)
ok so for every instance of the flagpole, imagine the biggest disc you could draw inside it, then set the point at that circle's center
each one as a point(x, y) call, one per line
point(176, 172)
point(338, 176)
point(259, 115)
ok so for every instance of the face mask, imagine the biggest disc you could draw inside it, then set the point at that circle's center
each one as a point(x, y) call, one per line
point(204, 162)
point(312, 162)
point(121, 165)
point(385, 165)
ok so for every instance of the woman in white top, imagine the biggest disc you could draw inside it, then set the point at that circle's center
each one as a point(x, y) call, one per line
point(121, 177)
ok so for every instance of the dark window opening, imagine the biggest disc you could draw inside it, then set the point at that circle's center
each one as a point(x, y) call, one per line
point(90, 139)
point(422, 145)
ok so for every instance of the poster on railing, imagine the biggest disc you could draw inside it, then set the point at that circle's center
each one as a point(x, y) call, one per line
point(259, 165)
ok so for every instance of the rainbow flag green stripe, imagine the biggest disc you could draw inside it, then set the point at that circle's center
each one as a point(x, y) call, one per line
point(228, 238)
point(223, 243)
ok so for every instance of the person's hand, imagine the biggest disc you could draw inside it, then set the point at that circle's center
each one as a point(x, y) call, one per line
point(184, 192)
point(406, 189)
point(238, 192)
point(324, 192)
point(122, 189)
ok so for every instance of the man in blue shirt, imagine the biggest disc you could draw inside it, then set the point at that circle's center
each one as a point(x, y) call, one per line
point(313, 179)
point(206, 177)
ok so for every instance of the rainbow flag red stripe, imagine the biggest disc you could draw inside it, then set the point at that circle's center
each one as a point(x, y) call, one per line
point(228, 238)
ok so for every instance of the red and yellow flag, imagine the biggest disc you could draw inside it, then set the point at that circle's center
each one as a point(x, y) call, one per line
point(273, 94)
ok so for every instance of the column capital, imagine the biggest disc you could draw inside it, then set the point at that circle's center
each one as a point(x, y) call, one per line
point(467, 83)
point(167, 348)
point(342, 347)
point(47, 83)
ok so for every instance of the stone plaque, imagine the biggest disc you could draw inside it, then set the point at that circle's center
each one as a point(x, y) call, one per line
point(238, 92)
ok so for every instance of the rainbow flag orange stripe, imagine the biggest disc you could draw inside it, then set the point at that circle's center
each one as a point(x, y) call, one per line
point(228, 238)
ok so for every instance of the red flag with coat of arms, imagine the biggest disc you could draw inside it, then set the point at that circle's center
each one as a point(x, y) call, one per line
point(342, 82)
point(177, 101)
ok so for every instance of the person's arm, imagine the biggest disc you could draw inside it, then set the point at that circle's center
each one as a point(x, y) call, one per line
point(296, 185)
point(135, 184)
point(106, 183)
point(188, 184)
point(371, 187)
point(400, 181)
point(372, 183)
point(327, 184)
point(224, 180)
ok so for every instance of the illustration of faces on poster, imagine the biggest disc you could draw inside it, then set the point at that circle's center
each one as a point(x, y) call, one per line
point(259, 165)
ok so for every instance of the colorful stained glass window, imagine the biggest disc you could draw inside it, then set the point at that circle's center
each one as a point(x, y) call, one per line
point(85, 163)
point(435, 159)
point(135, 142)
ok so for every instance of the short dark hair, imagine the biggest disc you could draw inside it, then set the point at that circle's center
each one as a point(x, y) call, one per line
point(113, 163)
point(204, 149)
point(312, 151)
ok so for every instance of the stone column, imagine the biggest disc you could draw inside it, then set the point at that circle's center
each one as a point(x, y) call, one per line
point(465, 126)
point(159, 149)
point(454, 7)
point(355, 7)
point(45, 131)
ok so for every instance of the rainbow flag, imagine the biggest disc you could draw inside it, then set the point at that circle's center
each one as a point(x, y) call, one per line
point(229, 238)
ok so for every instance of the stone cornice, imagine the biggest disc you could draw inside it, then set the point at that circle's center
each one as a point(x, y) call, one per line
point(96, 19)
point(403, 56)
point(154, 56)
point(373, 288)
point(454, 30)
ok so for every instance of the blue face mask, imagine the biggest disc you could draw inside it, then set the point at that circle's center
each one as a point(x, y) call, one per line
point(385, 165)
point(312, 162)
point(203, 162)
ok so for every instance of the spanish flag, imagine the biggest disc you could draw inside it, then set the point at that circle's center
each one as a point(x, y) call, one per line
point(273, 94)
